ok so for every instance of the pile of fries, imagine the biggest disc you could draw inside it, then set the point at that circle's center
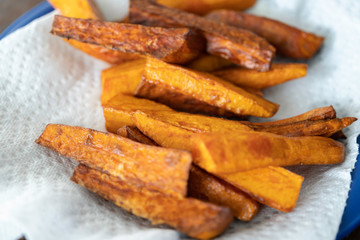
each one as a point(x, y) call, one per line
point(171, 153)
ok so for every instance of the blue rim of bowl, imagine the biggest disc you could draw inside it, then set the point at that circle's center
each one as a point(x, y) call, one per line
point(351, 216)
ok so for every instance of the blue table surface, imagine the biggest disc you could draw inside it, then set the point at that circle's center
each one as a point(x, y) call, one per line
point(351, 216)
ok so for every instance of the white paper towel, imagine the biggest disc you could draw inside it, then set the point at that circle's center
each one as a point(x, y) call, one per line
point(43, 80)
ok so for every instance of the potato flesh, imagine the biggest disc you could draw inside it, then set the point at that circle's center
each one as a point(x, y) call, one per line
point(121, 157)
point(193, 217)
point(176, 45)
point(289, 41)
point(238, 46)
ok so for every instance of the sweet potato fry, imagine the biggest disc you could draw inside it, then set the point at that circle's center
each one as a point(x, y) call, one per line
point(179, 45)
point(279, 73)
point(193, 217)
point(273, 186)
point(220, 153)
point(206, 187)
point(234, 44)
point(134, 134)
point(123, 78)
point(280, 192)
point(128, 160)
point(209, 63)
point(325, 128)
point(86, 9)
point(289, 41)
point(204, 6)
point(199, 92)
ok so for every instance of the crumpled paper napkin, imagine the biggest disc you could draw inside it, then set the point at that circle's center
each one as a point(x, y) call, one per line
point(44, 80)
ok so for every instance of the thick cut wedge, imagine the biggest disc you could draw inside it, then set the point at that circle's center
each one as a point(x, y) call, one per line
point(284, 190)
point(193, 91)
point(178, 45)
point(289, 41)
point(234, 44)
point(278, 74)
point(160, 169)
point(86, 9)
point(221, 153)
point(193, 217)
point(205, 6)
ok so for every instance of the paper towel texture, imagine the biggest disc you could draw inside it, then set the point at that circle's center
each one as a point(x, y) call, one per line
point(44, 80)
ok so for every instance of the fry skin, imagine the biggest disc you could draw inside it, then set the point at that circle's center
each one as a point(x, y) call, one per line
point(199, 92)
point(202, 7)
point(193, 217)
point(289, 41)
point(121, 157)
point(237, 45)
point(179, 45)
point(220, 153)
point(278, 74)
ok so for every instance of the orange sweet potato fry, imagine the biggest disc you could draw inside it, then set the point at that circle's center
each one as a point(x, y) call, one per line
point(220, 153)
point(209, 63)
point(278, 74)
point(87, 9)
point(206, 187)
point(193, 217)
point(273, 186)
point(279, 188)
point(204, 6)
point(237, 45)
point(289, 41)
point(134, 134)
point(199, 92)
point(121, 157)
point(178, 45)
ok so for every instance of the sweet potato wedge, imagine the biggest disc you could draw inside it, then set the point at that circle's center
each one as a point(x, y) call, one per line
point(206, 187)
point(204, 6)
point(273, 186)
point(289, 41)
point(209, 63)
point(199, 92)
point(179, 45)
point(234, 44)
point(279, 188)
point(220, 153)
point(193, 217)
point(86, 9)
point(128, 160)
point(278, 74)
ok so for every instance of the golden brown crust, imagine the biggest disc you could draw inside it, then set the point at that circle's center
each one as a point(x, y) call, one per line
point(121, 157)
point(234, 44)
point(179, 45)
point(195, 218)
point(289, 41)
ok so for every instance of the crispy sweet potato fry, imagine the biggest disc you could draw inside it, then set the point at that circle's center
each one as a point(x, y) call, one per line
point(289, 41)
point(220, 153)
point(273, 186)
point(193, 217)
point(87, 10)
point(204, 6)
point(199, 92)
point(279, 73)
point(209, 63)
point(205, 186)
point(280, 192)
point(179, 45)
point(234, 44)
point(121, 157)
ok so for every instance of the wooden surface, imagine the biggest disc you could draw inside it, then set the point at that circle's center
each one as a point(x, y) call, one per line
point(10, 10)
